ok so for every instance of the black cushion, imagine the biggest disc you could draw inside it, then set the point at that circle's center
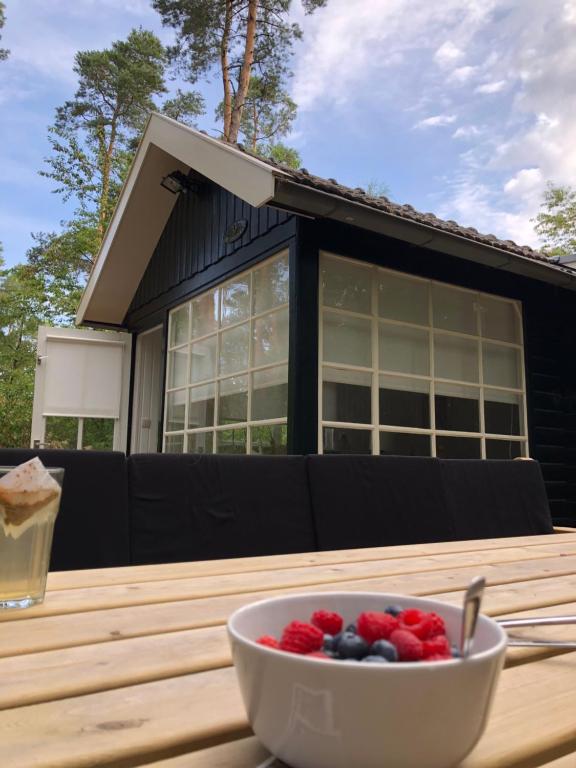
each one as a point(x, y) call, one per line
point(370, 501)
point(91, 529)
point(189, 507)
point(493, 498)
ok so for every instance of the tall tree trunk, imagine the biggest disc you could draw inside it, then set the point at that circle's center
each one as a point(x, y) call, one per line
point(225, 66)
point(245, 71)
point(255, 126)
point(106, 170)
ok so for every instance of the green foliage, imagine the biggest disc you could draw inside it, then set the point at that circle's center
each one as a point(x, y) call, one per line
point(185, 107)
point(3, 51)
point(376, 188)
point(282, 154)
point(268, 111)
point(556, 223)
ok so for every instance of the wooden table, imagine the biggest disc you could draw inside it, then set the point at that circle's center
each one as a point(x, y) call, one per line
point(130, 666)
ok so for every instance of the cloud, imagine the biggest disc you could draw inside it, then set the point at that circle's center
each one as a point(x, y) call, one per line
point(448, 53)
point(435, 121)
point(463, 74)
point(525, 181)
point(491, 87)
point(466, 132)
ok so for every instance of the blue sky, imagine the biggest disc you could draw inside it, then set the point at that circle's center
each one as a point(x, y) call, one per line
point(465, 108)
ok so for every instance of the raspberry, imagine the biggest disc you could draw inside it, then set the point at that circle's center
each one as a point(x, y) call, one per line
point(411, 616)
point(428, 624)
point(436, 645)
point(300, 637)
point(318, 655)
point(439, 657)
point(409, 647)
point(329, 622)
point(375, 625)
point(268, 641)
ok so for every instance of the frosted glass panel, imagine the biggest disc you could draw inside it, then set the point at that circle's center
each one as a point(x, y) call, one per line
point(500, 320)
point(402, 299)
point(236, 301)
point(456, 358)
point(270, 285)
point(178, 367)
point(179, 326)
point(205, 314)
point(203, 359)
point(234, 349)
point(501, 366)
point(347, 286)
point(454, 310)
point(403, 349)
point(347, 340)
point(270, 338)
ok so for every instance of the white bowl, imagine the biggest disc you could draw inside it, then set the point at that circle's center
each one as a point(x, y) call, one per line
point(315, 713)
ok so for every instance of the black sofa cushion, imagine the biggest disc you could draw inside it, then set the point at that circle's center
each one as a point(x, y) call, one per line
point(491, 499)
point(370, 501)
point(91, 529)
point(190, 507)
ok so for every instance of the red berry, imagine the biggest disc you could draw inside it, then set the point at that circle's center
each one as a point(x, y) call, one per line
point(269, 641)
point(436, 645)
point(411, 616)
point(409, 647)
point(300, 637)
point(318, 655)
point(329, 622)
point(376, 625)
point(439, 657)
point(428, 624)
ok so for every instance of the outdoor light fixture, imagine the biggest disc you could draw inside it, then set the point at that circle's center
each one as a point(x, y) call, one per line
point(177, 182)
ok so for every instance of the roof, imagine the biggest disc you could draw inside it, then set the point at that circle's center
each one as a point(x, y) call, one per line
point(144, 208)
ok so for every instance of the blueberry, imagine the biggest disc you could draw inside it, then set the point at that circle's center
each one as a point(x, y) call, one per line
point(384, 648)
point(373, 659)
point(352, 646)
point(331, 642)
point(352, 628)
point(393, 610)
point(456, 652)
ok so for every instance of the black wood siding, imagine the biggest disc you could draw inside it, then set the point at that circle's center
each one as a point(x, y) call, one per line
point(549, 344)
point(191, 254)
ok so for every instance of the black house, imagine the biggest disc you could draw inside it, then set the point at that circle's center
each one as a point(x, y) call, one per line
point(274, 311)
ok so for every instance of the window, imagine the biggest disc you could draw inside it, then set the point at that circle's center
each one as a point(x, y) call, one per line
point(418, 368)
point(227, 367)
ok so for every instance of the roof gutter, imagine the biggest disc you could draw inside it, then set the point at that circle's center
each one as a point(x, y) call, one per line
point(300, 198)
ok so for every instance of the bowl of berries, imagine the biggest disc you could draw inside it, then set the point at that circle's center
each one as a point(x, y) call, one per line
point(364, 679)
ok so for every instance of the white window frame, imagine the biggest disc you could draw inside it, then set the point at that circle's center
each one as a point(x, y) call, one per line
point(375, 428)
point(248, 372)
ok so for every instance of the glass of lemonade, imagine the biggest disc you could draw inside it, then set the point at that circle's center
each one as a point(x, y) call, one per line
point(26, 528)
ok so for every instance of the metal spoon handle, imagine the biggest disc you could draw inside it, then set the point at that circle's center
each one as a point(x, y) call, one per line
point(537, 621)
point(471, 609)
point(519, 642)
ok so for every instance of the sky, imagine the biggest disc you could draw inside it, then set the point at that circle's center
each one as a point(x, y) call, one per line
point(465, 108)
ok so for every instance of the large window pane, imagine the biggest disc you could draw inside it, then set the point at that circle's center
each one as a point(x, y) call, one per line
point(174, 444)
point(403, 349)
point(457, 408)
point(61, 432)
point(503, 412)
point(270, 393)
point(205, 314)
point(203, 359)
point(236, 300)
point(201, 406)
point(457, 447)
point(404, 402)
point(403, 444)
point(347, 286)
point(175, 410)
point(179, 326)
point(233, 400)
point(400, 298)
point(454, 310)
point(200, 442)
point(231, 441)
point(346, 396)
point(501, 366)
point(337, 440)
point(347, 340)
point(270, 338)
point(270, 439)
point(270, 285)
point(503, 449)
point(500, 320)
point(456, 358)
point(98, 434)
point(234, 349)
point(178, 368)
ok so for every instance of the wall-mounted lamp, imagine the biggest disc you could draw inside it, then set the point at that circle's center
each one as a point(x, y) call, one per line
point(177, 182)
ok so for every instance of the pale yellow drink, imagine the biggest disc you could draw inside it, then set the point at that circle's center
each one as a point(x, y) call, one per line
point(29, 503)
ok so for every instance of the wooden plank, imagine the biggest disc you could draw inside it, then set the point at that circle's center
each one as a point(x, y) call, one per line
point(157, 720)
point(37, 677)
point(52, 632)
point(510, 561)
point(568, 761)
point(140, 573)
point(242, 753)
